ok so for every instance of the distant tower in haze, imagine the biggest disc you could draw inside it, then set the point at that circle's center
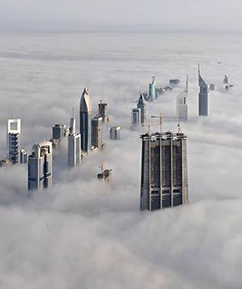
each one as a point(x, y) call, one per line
point(85, 120)
point(181, 108)
point(141, 104)
point(102, 110)
point(40, 166)
point(203, 95)
point(74, 144)
point(135, 117)
point(152, 89)
point(164, 181)
point(97, 132)
point(59, 132)
point(13, 140)
point(115, 132)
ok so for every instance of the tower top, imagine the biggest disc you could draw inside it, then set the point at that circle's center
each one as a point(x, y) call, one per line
point(85, 103)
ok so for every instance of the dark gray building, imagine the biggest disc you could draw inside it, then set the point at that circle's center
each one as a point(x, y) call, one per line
point(40, 166)
point(164, 181)
point(97, 132)
point(203, 96)
point(85, 120)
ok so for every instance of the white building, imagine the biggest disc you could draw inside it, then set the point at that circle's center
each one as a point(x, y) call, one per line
point(40, 166)
point(13, 140)
point(74, 145)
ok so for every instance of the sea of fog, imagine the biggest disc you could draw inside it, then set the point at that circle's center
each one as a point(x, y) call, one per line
point(88, 234)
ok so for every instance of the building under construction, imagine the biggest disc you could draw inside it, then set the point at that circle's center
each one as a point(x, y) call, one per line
point(164, 181)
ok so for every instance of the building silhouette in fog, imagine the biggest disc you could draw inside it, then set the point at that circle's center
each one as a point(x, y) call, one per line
point(115, 132)
point(85, 120)
point(164, 181)
point(202, 96)
point(142, 105)
point(40, 166)
point(97, 132)
point(13, 140)
point(102, 110)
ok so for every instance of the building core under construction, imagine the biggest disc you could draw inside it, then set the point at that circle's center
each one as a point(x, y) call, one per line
point(164, 180)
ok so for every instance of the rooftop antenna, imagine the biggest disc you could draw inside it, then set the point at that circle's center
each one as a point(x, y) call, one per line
point(198, 69)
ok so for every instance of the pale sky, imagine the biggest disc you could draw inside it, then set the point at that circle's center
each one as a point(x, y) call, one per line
point(122, 14)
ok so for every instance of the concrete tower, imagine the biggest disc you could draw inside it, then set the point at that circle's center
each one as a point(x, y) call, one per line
point(102, 110)
point(97, 132)
point(85, 120)
point(141, 104)
point(152, 89)
point(74, 145)
point(181, 108)
point(164, 181)
point(203, 95)
point(13, 140)
point(135, 117)
point(40, 166)
point(115, 132)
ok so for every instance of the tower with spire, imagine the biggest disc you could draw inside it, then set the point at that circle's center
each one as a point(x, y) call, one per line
point(85, 120)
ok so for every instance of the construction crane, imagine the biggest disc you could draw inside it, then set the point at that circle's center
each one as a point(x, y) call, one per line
point(161, 117)
point(104, 174)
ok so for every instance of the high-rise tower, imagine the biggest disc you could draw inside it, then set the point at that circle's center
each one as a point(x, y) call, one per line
point(141, 104)
point(135, 117)
point(181, 108)
point(85, 120)
point(40, 166)
point(152, 89)
point(13, 140)
point(164, 181)
point(97, 132)
point(203, 95)
point(102, 110)
point(74, 145)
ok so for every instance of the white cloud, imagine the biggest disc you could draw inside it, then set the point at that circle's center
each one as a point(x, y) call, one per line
point(89, 234)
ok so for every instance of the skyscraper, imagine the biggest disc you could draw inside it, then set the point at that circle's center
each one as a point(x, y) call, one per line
point(74, 145)
point(97, 132)
point(203, 95)
point(59, 131)
point(102, 110)
point(115, 132)
point(181, 108)
point(135, 117)
point(152, 89)
point(85, 120)
point(164, 181)
point(13, 140)
point(40, 166)
point(141, 104)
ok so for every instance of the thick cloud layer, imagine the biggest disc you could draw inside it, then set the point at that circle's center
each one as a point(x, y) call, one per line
point(84, 233)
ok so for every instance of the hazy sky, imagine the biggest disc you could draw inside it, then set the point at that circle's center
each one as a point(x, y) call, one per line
point(122, 14)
